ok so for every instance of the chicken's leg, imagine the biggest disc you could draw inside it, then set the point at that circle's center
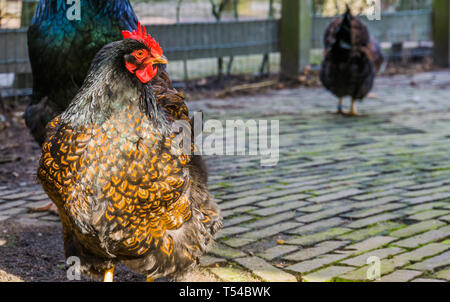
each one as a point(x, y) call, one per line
point(50, 208)
point(354, 111)
point(340, 109)
point(149, 279)
point(109, 275)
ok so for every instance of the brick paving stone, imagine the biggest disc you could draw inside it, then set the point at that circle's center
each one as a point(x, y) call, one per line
point(284, 199)
point(373, 211)
point(231, 274)
point(8, 192)
point(327, 190)
point(379, 194)
point(423, 199)
point(395, 185)
point(279, 209)
point(400, 276)
point(209, 260)
point(50, 217)
point(444, 274)
point(322, 206)
point(270, 231)
point(319, 249)
point(426, 280)
point(240, 202)
point(432, 263)
point(376, 202)
point(361, 260)
point(326, 274)
point(427, 185)
point(17, 195)
point(231, 231)
point(42, 196)
point(323, 214)
point(288, 192)
point(223, 251)
point(417, 228)
point(317, 237)
point(335, 196)
point(246, 193)
point(237, 211)
point(11, 204)
point(317, 262)
point(371, 231)
point(13, 211)
point(317, 226)
point(372, 220)
point(428, 214)
point(426, 192)
point(410, 210)
point(270, 220)
point(237, 220)
point(277, 251)
point(390, 265)
point(238, 242)
point(367, 245)
point(426, 237)
point(265, 270)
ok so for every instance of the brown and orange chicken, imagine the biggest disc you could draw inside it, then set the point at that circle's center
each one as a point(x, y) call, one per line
point(125, 189)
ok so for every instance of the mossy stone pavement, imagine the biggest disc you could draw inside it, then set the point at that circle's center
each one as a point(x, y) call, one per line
point(345, 189)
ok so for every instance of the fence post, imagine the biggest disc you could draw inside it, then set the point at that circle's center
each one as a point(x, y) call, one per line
point(25, 80)
point(441, 32)
point(28, 8)
point(296, 25)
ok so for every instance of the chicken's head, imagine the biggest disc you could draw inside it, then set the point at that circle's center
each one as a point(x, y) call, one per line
point(143, 62)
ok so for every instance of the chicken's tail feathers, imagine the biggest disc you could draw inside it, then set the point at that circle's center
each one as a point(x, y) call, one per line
point(346, 24)
point(343, 36)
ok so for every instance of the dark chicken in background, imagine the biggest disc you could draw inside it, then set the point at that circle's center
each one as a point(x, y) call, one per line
point(61, 52)
point(124, 189)
point(351, 60)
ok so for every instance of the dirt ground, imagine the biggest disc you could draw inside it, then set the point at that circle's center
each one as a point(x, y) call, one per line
point(35, 253)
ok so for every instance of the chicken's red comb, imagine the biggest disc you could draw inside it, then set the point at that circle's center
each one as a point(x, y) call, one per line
point(141, 34)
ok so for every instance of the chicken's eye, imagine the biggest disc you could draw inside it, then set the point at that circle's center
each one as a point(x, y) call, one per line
point(140, 54)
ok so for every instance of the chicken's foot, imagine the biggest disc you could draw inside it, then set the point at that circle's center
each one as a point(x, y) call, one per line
point(109, 275)
point(51, 208)
point(353, 110)
point(149, 279)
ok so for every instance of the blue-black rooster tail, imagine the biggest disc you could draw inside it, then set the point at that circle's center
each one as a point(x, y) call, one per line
point(343, 36)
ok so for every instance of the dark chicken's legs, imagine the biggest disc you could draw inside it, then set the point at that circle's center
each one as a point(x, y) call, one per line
point(353, 110)
point(339, 110)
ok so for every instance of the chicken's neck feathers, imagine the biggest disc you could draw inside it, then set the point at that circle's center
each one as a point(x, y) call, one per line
point(107, 91)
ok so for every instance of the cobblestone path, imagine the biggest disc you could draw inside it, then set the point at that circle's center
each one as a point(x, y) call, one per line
point(345, 190)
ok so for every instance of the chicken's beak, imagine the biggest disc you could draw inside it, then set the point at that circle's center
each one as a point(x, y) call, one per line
point(159, 60)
